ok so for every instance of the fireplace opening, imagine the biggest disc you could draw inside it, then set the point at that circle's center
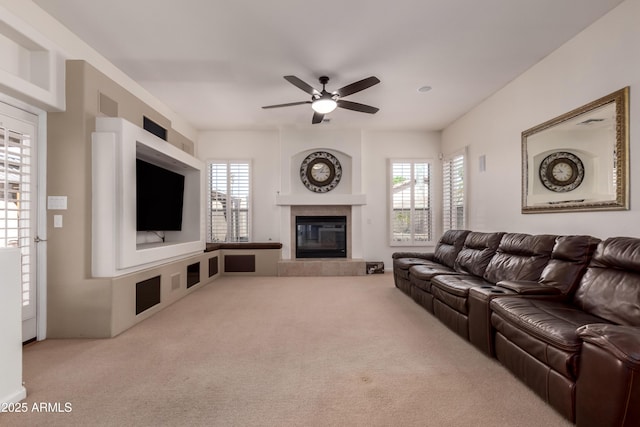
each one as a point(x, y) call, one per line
point(321, 237)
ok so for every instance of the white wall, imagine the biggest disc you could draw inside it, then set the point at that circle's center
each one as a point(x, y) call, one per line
point(295, 146)
point(273, 155)
point(377, 148)
point(263, 149)
point(600, 60)
point(11, 389)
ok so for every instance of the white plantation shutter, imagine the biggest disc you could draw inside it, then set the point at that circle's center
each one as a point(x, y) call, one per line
point(453, 201)
point(16, 197)
point(410, 203)
point(229, 204)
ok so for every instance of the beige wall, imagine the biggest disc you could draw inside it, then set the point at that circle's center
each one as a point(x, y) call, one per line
point(78, 305)
point(124, 289)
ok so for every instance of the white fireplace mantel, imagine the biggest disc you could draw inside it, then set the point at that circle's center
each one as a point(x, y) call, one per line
point(321, 199)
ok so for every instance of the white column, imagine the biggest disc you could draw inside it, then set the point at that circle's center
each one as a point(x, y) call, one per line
point(11, 388)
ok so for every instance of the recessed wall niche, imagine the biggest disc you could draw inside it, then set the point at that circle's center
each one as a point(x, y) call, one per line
point(344, 187)
point(193, 274)
point(147, 294)
point(117, 248)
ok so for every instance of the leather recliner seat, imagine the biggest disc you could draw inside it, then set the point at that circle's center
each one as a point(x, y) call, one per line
point(569, 259)
point(518, 257)
point(572, 335)
point(443, 258)
point(473, 259)
point(568, 347)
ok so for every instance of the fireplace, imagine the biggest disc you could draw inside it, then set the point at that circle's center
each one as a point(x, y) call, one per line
point(321, 236)
point(295, 263)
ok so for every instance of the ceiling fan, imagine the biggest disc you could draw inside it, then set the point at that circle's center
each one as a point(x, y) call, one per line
point(324, 102)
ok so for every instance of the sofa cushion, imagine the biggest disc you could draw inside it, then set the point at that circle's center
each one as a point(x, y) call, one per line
point(478, 249)
point(544, 328)
point(449, 245)
point(421, 275)
point(458, 284)
point(453, 290)
point(407, 263)
point(610, 288)
point(569, 260)
point(520, 257)
point(552, 321)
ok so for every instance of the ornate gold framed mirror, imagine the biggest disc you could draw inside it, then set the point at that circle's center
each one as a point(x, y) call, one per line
point(579, 160)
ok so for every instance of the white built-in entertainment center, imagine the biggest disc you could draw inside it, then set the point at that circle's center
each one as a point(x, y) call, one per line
point(117, 247)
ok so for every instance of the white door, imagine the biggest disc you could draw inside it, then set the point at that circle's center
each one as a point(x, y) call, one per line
point(18, 197)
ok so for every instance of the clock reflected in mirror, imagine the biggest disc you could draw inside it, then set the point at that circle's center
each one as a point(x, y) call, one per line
point(579, 160)
point(561, 172)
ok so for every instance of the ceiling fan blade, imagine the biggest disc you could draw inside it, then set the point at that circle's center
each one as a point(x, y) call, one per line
point(355, 106)
point(317, 118)
point(358, 86)
point(301, 85)
point(287, 105)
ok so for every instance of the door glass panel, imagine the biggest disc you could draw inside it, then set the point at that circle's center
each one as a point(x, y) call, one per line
point(17, 198)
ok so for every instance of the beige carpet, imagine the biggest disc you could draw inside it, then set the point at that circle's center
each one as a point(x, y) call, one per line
point(266, 351)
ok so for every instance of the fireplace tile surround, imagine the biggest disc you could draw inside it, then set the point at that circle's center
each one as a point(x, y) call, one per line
point(322, 266)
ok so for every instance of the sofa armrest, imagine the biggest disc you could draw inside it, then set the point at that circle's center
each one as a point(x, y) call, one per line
point(422, 255)
point(608, 383)
point(623, 342)
point(528, 287)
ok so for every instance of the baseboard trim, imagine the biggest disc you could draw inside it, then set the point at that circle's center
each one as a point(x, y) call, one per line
point(17, 396)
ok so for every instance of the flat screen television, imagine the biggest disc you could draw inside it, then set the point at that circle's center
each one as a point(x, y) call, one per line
point(159, 198)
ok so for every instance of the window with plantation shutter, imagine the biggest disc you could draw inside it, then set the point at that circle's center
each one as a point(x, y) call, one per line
point(229, 204)
point(410, 204)
point(453, 201)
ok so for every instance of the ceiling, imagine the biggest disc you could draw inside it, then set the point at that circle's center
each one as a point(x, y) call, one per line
point(216, 62)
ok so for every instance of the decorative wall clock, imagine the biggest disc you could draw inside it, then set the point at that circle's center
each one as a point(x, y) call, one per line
point(320, 172)
point(561, 172)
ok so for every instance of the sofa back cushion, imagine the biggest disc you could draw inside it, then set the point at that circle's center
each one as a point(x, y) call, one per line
point(520, 257)
point(610, 288)
point(448, 247)
point(476, 253)
point(569, 260)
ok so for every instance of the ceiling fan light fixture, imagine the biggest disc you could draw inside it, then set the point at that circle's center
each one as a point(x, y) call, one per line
point(324, 102)
point(324, 105)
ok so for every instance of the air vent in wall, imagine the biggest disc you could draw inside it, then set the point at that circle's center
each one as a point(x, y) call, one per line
point(151, 126)
point(590, 121)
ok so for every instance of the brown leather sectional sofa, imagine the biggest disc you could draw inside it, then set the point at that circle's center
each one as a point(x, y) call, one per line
point(562, 313)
